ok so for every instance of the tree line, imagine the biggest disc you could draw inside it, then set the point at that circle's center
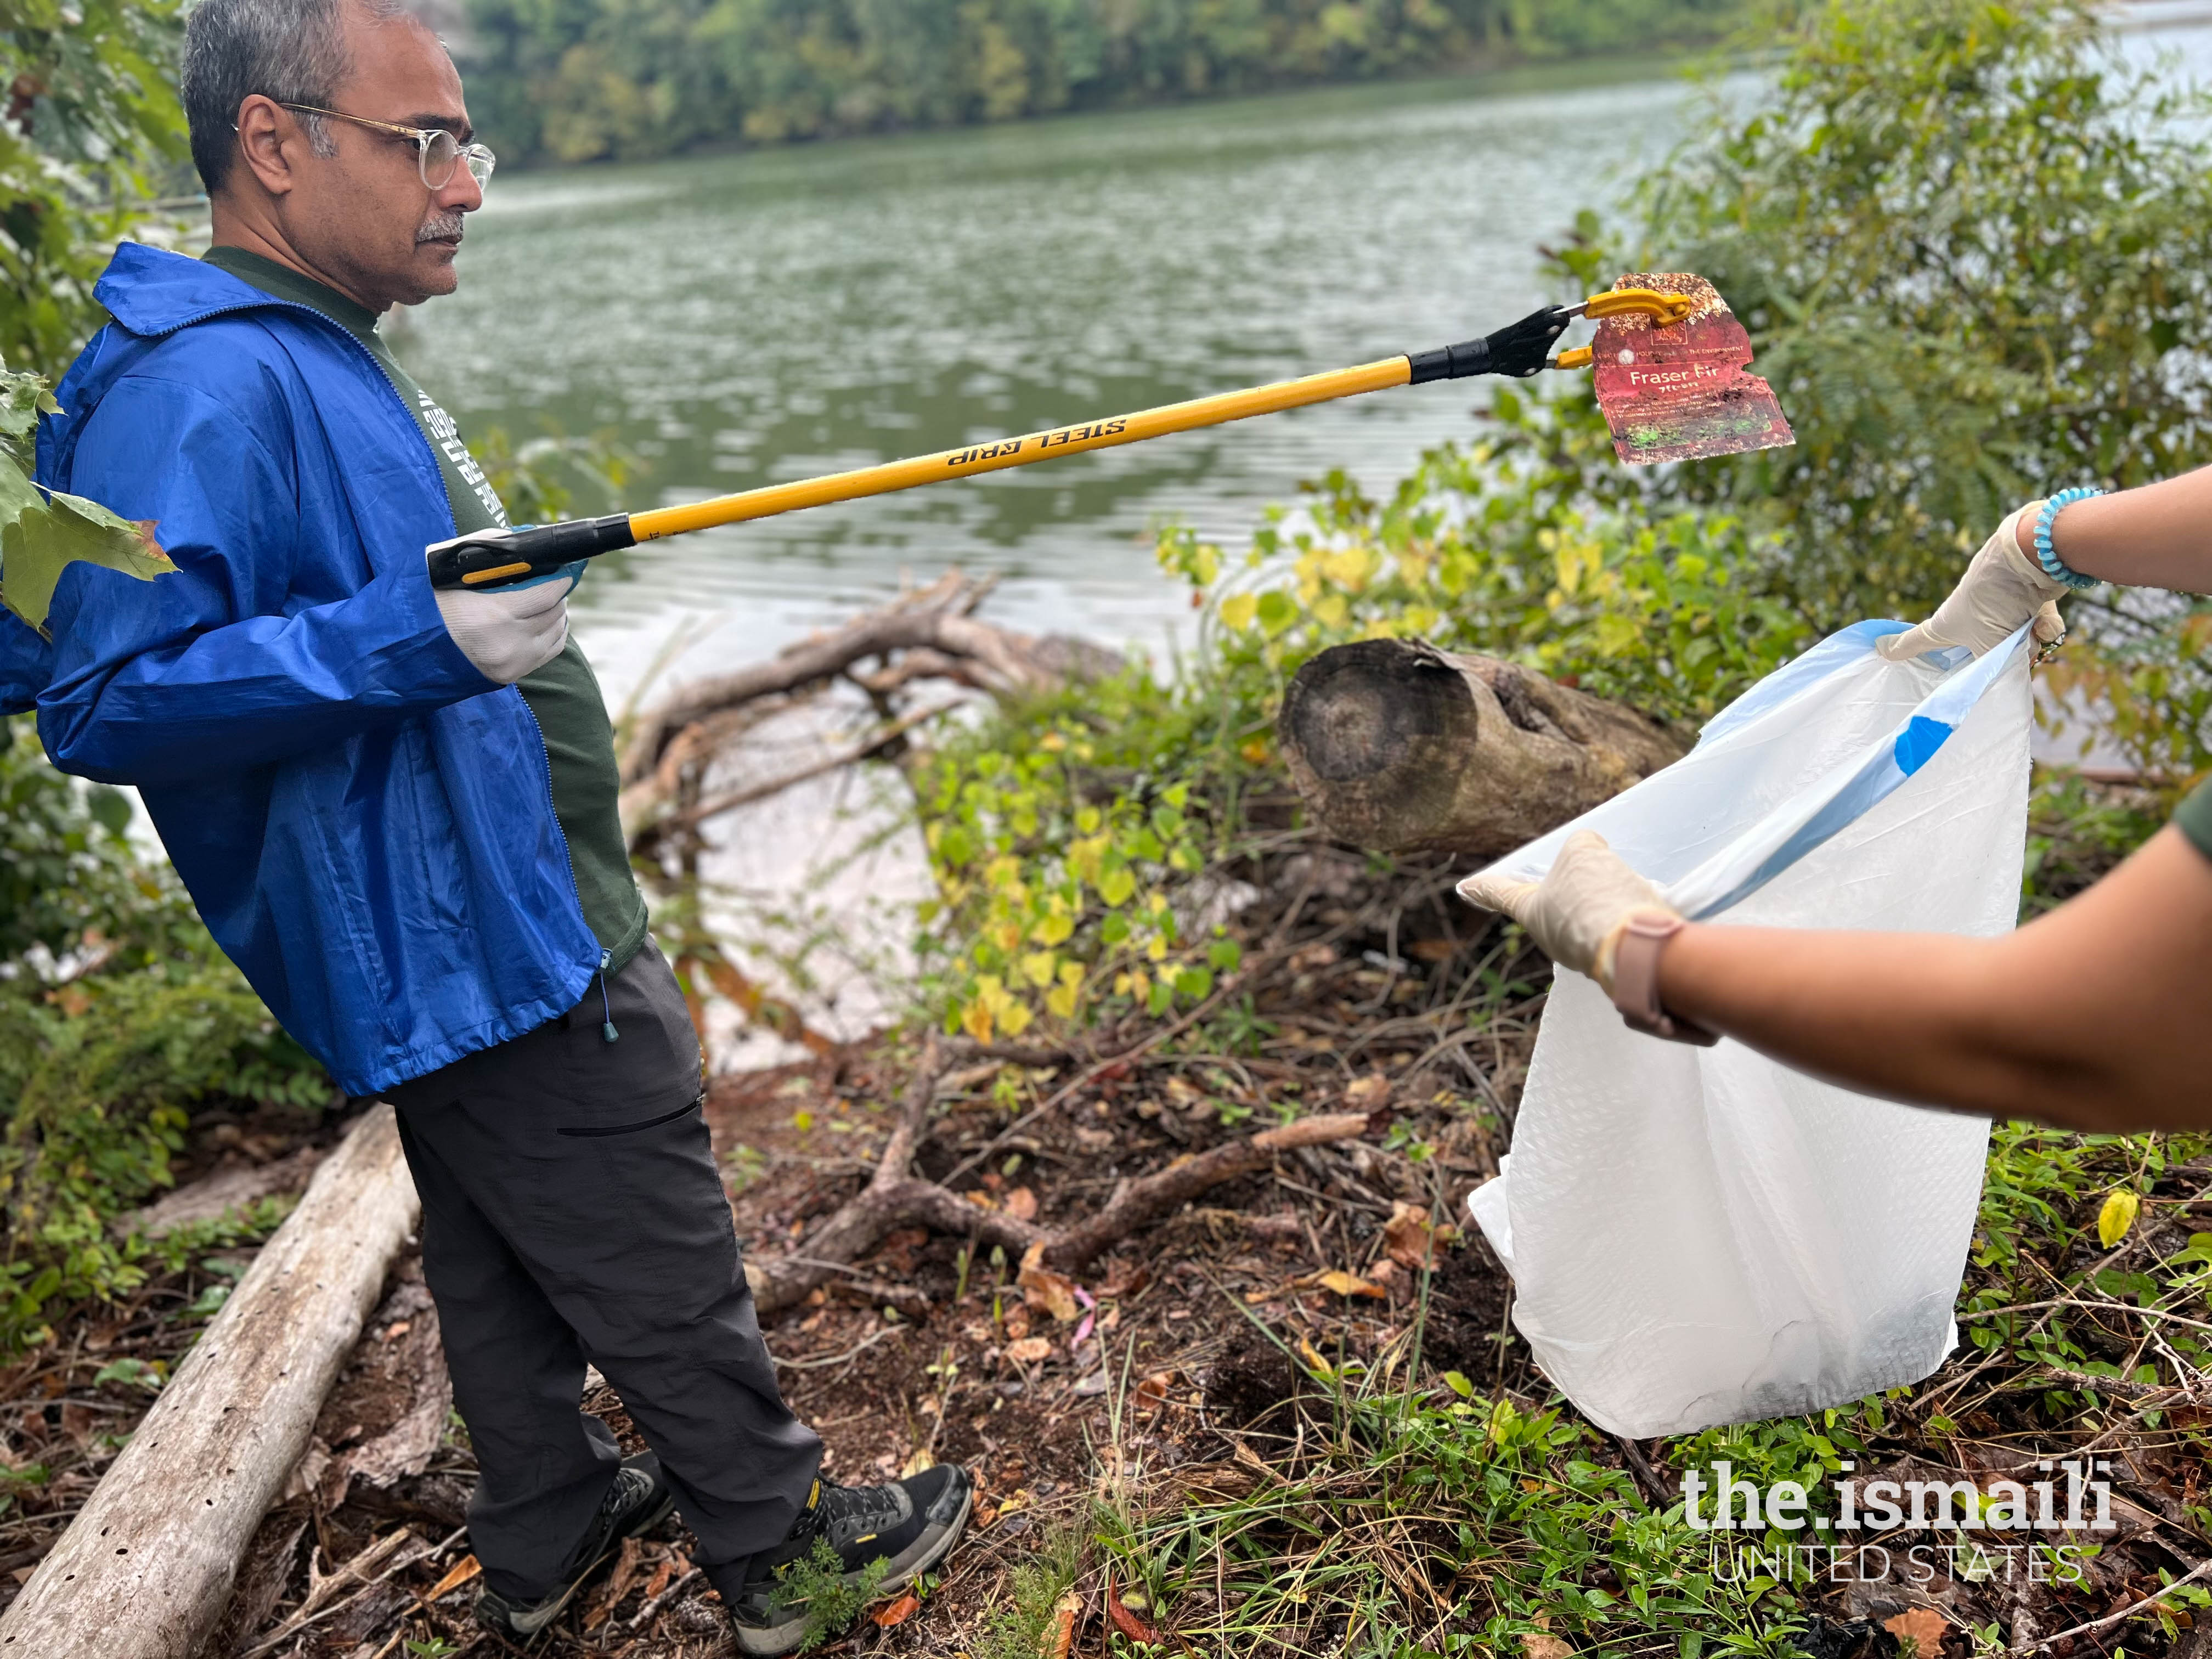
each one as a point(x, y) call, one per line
point(580, 80)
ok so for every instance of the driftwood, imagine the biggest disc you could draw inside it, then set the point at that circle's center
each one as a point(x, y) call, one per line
point(147, 1566)
point(931, 633)
point(1397, 747)
point(895, 1198)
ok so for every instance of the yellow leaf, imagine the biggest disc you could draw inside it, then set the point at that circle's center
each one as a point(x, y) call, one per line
point(920, 1463)
point(1053, 929)
point(1238, 610)
point(1014, 1019)
point(2117, 1217)
point(1041, 967)
point(1311, 1355)
point(1544, 1647)
point(1345, 1284)
point(975, 1020)
point(1062, 998)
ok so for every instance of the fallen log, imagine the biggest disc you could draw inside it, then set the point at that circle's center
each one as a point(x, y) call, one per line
point(147, 1564)
point(894, 1198)
point(930, 633)
point(1397, 747)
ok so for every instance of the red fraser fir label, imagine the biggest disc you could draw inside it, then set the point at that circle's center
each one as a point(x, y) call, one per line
point(1681, 392)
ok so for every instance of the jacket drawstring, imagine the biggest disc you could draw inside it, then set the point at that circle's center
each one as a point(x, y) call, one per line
point(606, 1009)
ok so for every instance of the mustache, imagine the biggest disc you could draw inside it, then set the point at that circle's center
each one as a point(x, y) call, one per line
point(446, 228)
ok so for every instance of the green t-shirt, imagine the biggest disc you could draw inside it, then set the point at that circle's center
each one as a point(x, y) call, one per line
point(2194, 818)
point(564, 694)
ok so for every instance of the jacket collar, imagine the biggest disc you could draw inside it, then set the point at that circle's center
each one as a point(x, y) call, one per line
point(153, 292)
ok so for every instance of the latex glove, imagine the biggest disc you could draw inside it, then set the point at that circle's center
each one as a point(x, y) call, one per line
point(1576, 913)
point(509, 632)
point(2003, 587)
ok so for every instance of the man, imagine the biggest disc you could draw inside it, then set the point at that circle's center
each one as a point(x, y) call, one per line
point(2093, 1016)
point(396, 811)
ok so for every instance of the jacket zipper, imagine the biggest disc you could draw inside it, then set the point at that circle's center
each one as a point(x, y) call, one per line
point(445, 489)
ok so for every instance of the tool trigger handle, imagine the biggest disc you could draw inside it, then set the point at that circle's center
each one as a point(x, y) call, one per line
point(527, 553)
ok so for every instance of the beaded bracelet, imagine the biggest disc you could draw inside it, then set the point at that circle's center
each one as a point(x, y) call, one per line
point(2053, 566)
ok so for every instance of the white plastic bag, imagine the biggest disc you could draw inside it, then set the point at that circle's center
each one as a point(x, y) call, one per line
point(1701, 1236)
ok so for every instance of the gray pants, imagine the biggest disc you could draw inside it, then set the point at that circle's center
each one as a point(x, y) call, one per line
point(572, 1212)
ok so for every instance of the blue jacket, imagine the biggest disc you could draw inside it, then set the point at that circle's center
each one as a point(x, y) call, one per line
point(365, 821)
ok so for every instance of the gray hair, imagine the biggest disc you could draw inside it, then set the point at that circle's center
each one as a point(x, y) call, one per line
point(291, 50)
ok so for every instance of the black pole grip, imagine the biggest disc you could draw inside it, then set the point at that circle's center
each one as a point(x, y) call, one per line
point(493, 559)
point(1519, 349)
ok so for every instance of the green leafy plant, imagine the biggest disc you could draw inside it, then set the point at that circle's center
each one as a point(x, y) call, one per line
point(122, 1014)
point(43, 531)
point(91, 135)
point(816, 1584)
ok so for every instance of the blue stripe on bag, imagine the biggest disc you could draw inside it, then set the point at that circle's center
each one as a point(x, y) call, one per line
point(1916, 745)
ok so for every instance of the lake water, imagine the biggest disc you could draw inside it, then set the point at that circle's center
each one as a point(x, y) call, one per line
point(747, 319)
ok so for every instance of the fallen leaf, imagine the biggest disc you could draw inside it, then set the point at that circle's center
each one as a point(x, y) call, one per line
point(897, 1612)
point(1018, 1323)
point(1311, 1355)
point(1029, 1350)
point(1125, 1277)
point(1431, 950)
point(2112, 1224)
point(456, 1575)
point(1923, 1627)
point(1062, 1636)
point(1153, 1390)
point(1127, 1622)
point(1022, 1204)
point(1052, 1292)
point(920, 1463)
point(1368, 1092)
point(78, 1422)
point(1345, 1284)
point(1410, 1237)
point(1544, 1647)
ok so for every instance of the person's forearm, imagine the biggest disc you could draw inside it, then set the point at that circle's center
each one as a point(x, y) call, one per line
point(2158, 535)
point(2098, 1017)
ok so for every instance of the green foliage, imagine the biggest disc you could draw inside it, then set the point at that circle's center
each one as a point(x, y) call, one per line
point(1018, 1627)
point(90, 133)
point(536, 480)
point(1973, 246)
point(121, 1015)
point(43, 531)
point(1511, 1512)
point(641, 77)
point(816, 1583)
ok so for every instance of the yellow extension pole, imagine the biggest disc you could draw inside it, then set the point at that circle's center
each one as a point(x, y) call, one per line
point(1004, 452)
point(497, 558)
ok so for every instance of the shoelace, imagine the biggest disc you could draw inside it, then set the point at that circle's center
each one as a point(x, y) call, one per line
point(865, 1509)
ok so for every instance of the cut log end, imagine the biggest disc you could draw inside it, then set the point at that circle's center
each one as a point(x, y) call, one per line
point(1396, 746)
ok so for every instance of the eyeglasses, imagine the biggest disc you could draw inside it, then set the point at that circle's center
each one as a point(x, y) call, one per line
point(437, 152)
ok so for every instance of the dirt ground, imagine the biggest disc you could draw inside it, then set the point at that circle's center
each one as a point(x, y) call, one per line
point(1174, 1378)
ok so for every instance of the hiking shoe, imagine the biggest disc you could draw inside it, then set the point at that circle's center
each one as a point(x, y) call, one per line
point(909, 1527)
point(636, 1503)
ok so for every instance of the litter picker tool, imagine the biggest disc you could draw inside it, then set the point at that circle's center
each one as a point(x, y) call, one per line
point(1669, 360)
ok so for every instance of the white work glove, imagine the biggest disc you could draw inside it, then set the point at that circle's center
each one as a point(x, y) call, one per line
point(509, 632)
point(2003, 587)
point(1577, 913)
